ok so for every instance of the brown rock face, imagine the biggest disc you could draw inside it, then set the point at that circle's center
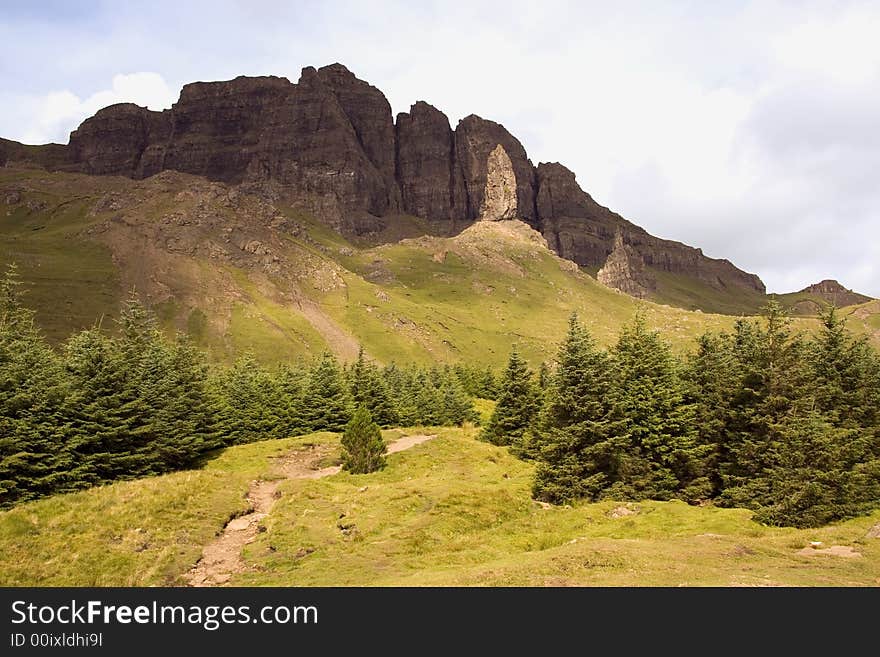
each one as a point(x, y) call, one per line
point(833, 292)
point(578, 228)
point(216, 128)
point(499, 197)
point(114, 140)
point(475, 139)
point(624, 270)
point(430, 182)
point(370, 115)
point(326, 142)
point(329, 145)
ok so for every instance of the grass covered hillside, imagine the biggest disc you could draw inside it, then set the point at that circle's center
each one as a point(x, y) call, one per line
point(239, 273)
point(449, 511)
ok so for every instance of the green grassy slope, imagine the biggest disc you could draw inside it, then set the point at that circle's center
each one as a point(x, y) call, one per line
point(864, 319)
point(452, 511)
point(72, 281)
point(692, 294)
point(240, 274)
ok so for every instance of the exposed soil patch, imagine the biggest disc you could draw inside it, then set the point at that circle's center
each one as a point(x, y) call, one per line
point(844, 551)
point(222, 557)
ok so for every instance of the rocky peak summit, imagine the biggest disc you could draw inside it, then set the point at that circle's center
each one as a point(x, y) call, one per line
point(329, 145)
point(835, 293)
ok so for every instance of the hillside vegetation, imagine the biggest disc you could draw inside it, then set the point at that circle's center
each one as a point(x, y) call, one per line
point(452, 511)
point(238, 273)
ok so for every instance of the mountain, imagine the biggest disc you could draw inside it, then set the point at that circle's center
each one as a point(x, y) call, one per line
point(814, 298)
point(289, 218)
point(238, 272)
point(329, 146)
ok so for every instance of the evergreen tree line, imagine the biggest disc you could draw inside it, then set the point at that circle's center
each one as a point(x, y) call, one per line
point(762, 417)
point(107, 407)
point(256, 403)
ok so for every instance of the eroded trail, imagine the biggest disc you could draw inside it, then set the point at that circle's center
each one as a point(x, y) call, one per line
point(222, 557)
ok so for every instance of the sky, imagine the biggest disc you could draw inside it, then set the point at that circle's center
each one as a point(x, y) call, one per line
point(748, 129)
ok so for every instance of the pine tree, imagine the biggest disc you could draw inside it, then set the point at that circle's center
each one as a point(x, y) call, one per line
point(250, 404)
point(33, 457)
point(544, 377)
point(576, 442)
point(712, 378)
point(662, 457)
point(517, 405)
point(290, 383)
point(457, 407)
point(362, 444)
point(326, 401)
point(96, 431)
point(487, 385)
point(842, 374)
point(821, 463)
point(817, 474)
point(426, 400)
point(369, 388)
point(186, 424)
point(773, 389)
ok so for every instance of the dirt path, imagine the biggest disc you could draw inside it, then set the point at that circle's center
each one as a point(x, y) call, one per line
point(342, 343)
point(222, 557)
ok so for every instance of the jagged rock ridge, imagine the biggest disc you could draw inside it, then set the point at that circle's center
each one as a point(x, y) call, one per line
point(329, 144)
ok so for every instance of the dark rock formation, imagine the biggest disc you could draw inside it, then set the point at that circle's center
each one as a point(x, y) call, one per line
point(624, 270)
point(47, 156)
point(475, 139)
point(430, 182)
point(329, 144)
point(326, 142)
point(114, 140)
point(834, 293)
point(499, 197)
point(578, 228)
point(215, 128)
point(370, 115)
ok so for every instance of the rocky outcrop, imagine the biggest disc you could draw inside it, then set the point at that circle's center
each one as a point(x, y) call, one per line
point(328, 144)
point(578, 228)
point(835, 293)
point(114, 140)
point(499, 197)
point(301, 140)
point(624, 270)
point(370, 115)
point(215, 128)
point(430, 181)
point(475, 139)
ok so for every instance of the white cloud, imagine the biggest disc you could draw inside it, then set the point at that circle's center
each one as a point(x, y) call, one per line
point(51, 118)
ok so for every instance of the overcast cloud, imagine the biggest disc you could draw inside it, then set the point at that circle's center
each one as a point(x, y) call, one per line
point(751, 130)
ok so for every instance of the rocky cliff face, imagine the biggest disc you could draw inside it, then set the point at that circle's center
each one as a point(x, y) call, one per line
point(578, 228)
point(329, 144)
point(499, 196)
point(430, 180)
point(475, 139)
point(624, 270)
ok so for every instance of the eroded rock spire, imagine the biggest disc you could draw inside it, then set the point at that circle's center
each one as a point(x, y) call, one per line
point(499, 201)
